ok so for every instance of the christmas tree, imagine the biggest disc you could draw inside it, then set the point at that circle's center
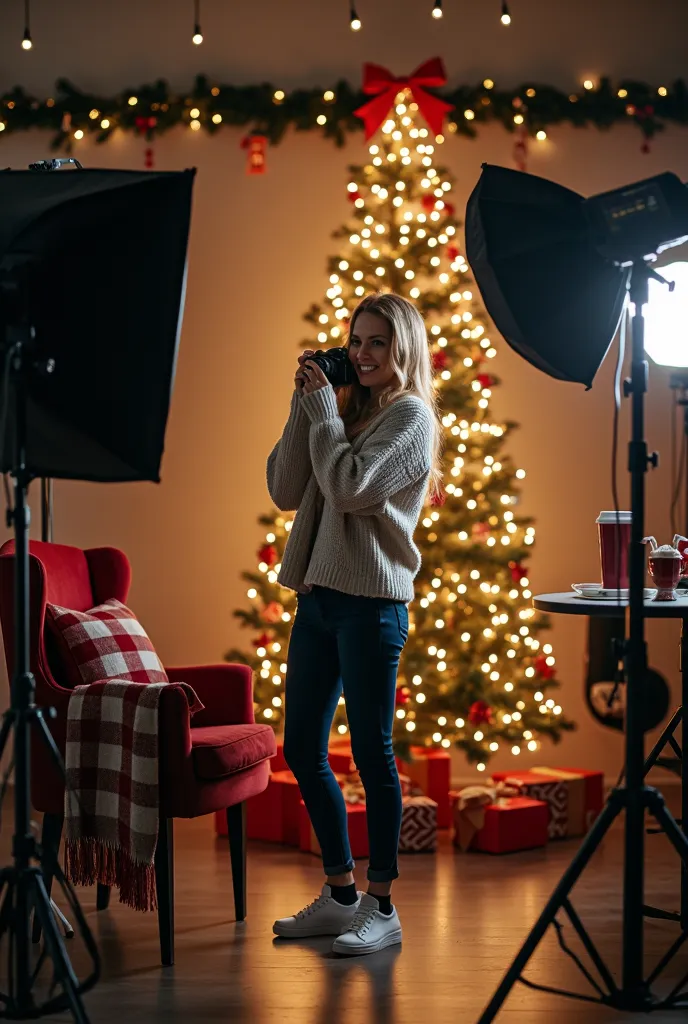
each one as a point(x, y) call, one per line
point(474, 673)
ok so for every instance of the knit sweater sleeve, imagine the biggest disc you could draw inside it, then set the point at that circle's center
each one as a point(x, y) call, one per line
point(289, 464)
point(396, 453)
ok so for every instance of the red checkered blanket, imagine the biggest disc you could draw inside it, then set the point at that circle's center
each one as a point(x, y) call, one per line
point(111, 799)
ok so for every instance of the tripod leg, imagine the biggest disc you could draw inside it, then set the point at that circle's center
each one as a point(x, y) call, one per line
point(556, 901)
point(667, 735)
point(51, 835)
point(64, 972)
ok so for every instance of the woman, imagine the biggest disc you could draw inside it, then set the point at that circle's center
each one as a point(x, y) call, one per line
point(357, 466)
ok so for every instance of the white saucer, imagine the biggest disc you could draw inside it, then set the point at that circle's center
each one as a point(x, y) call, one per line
point(596, 592)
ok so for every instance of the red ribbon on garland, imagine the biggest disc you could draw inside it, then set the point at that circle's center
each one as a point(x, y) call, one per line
point(381, 83)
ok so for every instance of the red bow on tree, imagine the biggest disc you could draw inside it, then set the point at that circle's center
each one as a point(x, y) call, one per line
point(518, 571)
point(268, 554)
point(381, 83)
point(480, 713)
point(262, 641)
point(544, 670)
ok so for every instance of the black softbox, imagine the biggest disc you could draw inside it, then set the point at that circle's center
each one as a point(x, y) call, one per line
point(96, 261)
point(551, 294)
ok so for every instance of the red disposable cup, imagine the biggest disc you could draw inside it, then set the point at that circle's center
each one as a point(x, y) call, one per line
point(615, 539)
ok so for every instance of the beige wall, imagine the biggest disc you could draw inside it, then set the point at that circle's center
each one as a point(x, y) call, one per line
point(257, 261)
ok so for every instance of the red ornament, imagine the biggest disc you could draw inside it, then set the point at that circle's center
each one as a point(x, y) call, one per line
point(480, 531)
point(353, 196)
point(480, 713)
point(453, 252)
point(255, 145)
point(544, 670)
point(485, 380)
point(518, 571)
point(272, 612)
point(402, 696)
point(440, 360)
point(383, 86)
point(268, 554)
point(262, 641)
point(145, 124)
point(428, 203)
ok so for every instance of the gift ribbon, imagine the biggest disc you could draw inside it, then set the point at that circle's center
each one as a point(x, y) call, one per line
point(384, 86)
point(469, 810)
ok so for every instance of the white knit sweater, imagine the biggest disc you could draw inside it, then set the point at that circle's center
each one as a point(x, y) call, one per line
point(358, 502)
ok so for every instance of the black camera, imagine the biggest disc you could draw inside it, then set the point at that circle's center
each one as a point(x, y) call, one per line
point(336, 366)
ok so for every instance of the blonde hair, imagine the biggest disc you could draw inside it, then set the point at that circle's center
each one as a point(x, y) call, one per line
point(413, 374)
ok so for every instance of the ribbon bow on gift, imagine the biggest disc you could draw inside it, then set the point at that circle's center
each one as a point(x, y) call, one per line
point(381, 83)
point(469, 809)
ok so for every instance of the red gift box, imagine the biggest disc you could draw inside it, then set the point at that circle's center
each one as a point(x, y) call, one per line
point(273, 815)
point(358, 831)
point(553, 790)
point(574, 811)
point(430, 769)
point(506, 825)
point(418, 825)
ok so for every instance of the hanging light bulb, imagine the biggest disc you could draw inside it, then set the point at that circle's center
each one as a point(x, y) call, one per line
point(27, 41)
point(354, 20)
point(197, 37)
point(506, 17)
point(437, 11)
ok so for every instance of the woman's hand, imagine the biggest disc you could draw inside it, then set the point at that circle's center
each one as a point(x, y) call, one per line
point(315, 379)
point(299, 377)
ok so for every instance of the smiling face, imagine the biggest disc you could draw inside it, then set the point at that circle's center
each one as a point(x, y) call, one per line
point(370, 349)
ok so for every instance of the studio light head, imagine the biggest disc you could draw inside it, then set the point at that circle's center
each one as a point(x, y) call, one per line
point(553, 267)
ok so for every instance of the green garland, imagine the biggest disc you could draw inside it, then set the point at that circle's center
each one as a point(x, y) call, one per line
point(151, 110)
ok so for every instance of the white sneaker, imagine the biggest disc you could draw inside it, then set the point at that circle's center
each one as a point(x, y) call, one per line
point(324, 916)
point(369, 930)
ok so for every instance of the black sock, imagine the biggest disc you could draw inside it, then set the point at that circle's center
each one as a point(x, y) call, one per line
point(385, 903)
point(344, 894)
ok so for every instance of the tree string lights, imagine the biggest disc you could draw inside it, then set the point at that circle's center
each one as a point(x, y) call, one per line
point(474, 673)
point(270, 111)
point(354, 20)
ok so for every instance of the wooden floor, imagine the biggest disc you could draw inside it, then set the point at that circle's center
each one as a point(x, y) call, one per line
point(464, 917)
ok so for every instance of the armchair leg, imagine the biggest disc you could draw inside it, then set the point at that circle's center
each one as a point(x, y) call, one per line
point(102, 896)
point(236, 829)
point(51, 835)
point(164, 885)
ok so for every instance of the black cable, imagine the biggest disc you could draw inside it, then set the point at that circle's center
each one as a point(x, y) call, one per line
point(678, 461)
point(3, 419)
point(615, 443)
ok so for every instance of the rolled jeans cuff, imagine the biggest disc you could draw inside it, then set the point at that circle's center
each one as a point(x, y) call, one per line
point(388, 875)
point(339, 869)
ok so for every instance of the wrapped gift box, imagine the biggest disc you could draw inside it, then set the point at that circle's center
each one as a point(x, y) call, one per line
point(273, 815)
point(575, 802)
point(594, 792)
point(549, 788)
point(358, 831)
point(418, 825)
point(506, 825)
point(430, 770)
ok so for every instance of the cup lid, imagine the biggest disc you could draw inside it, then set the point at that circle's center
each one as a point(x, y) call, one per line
point(623, 518)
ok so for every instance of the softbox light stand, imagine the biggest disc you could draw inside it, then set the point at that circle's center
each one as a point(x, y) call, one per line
point(84, 395)
point(635, 799)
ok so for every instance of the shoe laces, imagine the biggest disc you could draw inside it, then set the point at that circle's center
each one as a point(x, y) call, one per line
point(362, 920)
point(318, 902)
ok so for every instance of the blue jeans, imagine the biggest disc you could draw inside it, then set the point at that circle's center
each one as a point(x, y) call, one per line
point(350, 643)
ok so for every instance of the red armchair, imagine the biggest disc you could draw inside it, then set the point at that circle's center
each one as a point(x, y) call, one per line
point(210, 762)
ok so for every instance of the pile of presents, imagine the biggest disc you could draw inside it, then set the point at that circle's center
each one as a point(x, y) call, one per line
point(513, 811)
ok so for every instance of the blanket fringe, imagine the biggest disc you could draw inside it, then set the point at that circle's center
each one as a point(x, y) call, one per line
point(89, 860)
